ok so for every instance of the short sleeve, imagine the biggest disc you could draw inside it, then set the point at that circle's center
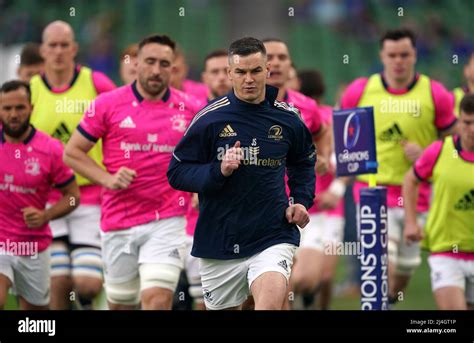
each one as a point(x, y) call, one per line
point(93, 123)
point(444, 106)
point(353, 93)
point(61, 175)
point(426, 162)
point(102, 83)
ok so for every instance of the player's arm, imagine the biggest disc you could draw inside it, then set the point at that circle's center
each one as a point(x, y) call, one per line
point(422, 170)
point(69, 201)
point(323, 142)
point(412, 232)
point(300, 165)
point(445, 118)
point(75, 156)
point(192, 169)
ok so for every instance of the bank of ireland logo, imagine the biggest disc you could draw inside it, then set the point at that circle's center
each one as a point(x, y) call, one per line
point(32, 166)
point(351, 130)
point(275, 132)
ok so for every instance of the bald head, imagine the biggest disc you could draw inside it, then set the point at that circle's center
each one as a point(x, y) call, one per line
point(58, 28)
point(58, 48)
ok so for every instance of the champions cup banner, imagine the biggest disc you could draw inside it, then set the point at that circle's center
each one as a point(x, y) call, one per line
point(354, 137)
point(374, 241)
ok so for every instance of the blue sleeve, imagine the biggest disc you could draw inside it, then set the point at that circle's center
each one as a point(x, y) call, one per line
point(192, 167)
point(300, 167)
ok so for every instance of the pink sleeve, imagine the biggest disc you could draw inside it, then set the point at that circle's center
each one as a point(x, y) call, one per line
point(353, 93)
point(92, 125)
point(61, 175)
point(102, 83)
point(424, 165)
point(444, 106)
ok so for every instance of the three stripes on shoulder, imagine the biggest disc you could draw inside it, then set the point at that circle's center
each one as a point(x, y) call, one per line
point(209, 108)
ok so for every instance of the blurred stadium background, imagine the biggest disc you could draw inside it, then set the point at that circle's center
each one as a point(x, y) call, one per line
point(321, 34)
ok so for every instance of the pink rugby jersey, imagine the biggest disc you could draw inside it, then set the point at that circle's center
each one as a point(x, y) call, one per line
point(424, 169)
point(90, 194)
point(444, 118)
point(323, 182)
point(197, 89)
point(141, 135)
point(307, 107)
point(28, 172)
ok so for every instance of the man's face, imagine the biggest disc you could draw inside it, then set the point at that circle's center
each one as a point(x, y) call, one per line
point(466, 128)
point(248, 75)
point(179, 72)
point(154, 68)
point(398, 58)
point(25, 73)
point(58, 49)
point(128, 70)
point(215, 76)
point(15, 110)
point(280, 63)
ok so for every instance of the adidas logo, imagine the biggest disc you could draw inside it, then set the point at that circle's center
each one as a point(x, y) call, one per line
point(174, 253)
point(228, 131)
point(283, 264)
point(62, 133)
point(392, 134)
point(127, 123)
point(466, 203)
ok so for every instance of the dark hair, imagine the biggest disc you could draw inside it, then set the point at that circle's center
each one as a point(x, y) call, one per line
point(30, 55)
point(247, 46)
point(13, 85)
point(467, 104)
point(214, 54)
point(397, 34)
point(158, 39)
point(312, 83)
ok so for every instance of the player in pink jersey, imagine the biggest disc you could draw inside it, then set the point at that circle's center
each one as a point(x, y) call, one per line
point(449, 233)
point(215, 78)
point(279, 61)
point(59, 98)
point(315, 265)
point(143, 224)
point(31, 164)
point(397, 83)
point(179, 79)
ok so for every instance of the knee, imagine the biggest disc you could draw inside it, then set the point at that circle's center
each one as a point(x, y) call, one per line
point(157, 299)
point(62, 282)
point(88, 287)
point(301, 284)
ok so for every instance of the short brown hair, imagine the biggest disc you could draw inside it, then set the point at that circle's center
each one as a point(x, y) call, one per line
point(30, 55)
point(467, 104)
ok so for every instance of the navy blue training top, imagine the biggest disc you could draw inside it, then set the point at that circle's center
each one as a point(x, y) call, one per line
point(244, 214)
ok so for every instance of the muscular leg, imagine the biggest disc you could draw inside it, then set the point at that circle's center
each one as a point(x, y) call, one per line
point(450, 298)
point(269, 291)
point(329, 269)
point(157, 298)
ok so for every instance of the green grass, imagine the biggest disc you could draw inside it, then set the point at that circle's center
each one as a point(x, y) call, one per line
point(418, 296)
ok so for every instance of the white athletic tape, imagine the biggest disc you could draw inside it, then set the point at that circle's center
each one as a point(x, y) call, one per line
point(159, 275)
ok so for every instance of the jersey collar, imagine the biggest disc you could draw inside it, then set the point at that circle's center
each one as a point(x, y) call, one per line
point(77, 69)
point(399, 91)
